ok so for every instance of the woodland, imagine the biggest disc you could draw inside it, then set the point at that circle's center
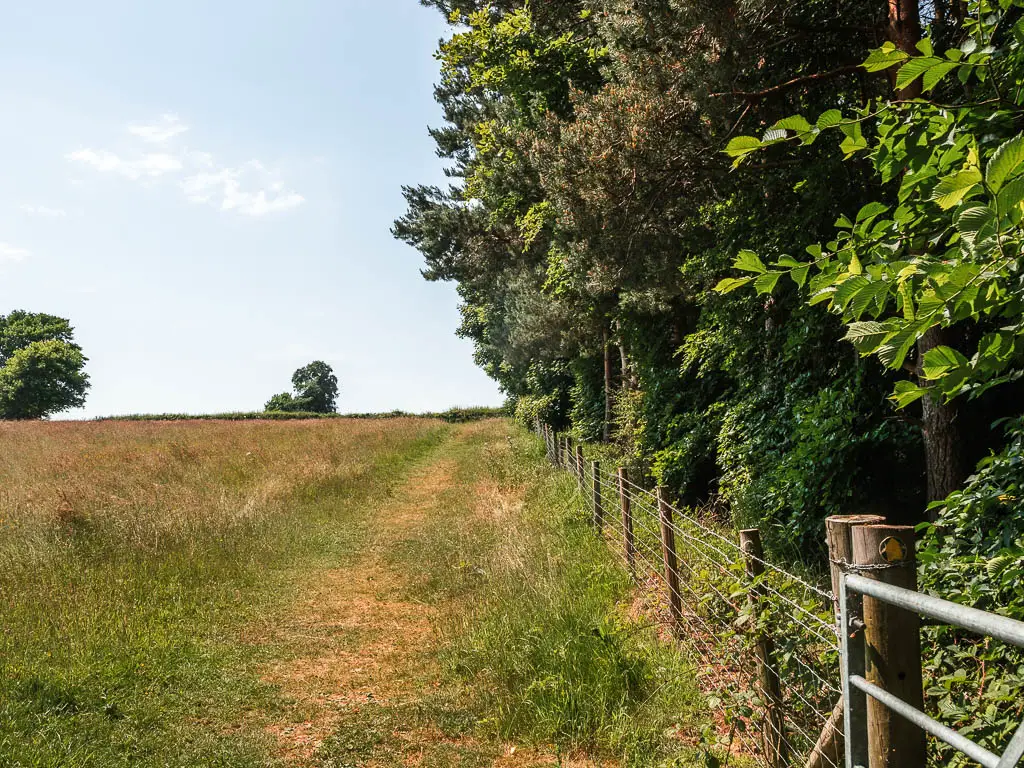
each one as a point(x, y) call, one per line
point(766, 253)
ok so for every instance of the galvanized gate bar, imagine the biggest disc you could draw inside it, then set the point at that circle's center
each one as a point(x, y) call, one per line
point(981, 622)
point(976, 752)
point(1015, 751)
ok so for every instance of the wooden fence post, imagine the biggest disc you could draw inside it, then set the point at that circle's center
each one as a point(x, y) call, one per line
point(579, 464)
point(777, 748)
point(893, 645)
point(627, 521)
point(668, 552)
point(595, 480)
point(830, 748)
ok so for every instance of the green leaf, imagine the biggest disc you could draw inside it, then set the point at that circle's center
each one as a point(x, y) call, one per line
point(1009, 201)
point(873, 293)
point(796, 123)
point(939, 361)
point(799, 275)
point(883, 58)
point(952, 189)
point(916, 67)
point(766, 283)
point(976, 224)
point(907, 300)
point(924, 45)
point(906, 393)
point(848, 289)
point(748, 261)
point(1005, 163)
point(830, 119)
point(936, 73)
point(895, 350)
point(730, 284)
point(742, 145)
point(868, 335)
point(854, 141)
point(871, 210)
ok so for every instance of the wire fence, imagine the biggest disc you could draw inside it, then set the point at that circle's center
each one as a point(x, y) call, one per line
point(763, 641)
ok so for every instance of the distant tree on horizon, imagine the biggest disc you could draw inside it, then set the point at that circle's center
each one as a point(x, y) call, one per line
point(41, 367)
point(316, 391)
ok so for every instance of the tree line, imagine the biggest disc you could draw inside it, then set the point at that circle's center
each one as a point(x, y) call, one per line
point(770, 253)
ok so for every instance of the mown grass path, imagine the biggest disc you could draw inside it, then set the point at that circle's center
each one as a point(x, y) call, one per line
point(361, 668)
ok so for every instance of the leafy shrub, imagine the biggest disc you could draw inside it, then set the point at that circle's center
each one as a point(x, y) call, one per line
point(974, 554)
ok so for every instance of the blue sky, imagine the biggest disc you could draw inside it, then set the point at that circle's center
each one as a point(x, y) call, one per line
point(205, 189)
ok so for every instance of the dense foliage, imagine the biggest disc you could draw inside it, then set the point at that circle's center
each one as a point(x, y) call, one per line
point(41, 366)
point(631, 180)
point(316, 391)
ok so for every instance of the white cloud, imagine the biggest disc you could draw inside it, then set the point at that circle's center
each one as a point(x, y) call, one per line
point(250, 189)
point(10, 252)
point(165, 129)
point(42, 210)
point(149, 165)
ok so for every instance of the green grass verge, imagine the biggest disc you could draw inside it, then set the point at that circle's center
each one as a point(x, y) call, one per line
point(538, 647)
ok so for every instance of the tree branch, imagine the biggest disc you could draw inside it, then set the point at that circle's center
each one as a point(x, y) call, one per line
point(795, 82)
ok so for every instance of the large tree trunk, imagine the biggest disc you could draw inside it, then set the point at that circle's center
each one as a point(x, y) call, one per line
point(944, 447)
point(905, 32)
point(607, 435)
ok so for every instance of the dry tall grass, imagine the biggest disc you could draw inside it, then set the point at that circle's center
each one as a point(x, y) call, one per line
point(130, 552)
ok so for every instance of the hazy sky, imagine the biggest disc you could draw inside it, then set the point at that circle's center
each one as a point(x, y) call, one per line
point(205, 188)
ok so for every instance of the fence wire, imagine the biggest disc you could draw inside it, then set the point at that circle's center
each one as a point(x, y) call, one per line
point(765, 648)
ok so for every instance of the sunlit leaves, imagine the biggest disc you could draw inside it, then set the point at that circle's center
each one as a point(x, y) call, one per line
point(748, 261)
point(1006, 163)
point(955, 187)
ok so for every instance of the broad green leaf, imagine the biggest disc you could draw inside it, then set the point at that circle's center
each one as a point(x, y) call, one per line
point(871, 210)
point(848, 289)
point(796, 123)
point(867, 335)
point(1006, 163)
point(788, 261)
point(976, 224)
point(742, 145)
point(825, 294)
point(924, 45)
point(895, 350)
point(799, 275)
point(906, 393)
point(936, 73)
point(874, 293)
point(854, 141)
point(953, 188)
point(830, 119)
point(1010, 201)
point(730, 284)
point(914, 68)
point(766, 283)
point(748, 261)
point(855, 268)
point(939, 361)
point(883, 58)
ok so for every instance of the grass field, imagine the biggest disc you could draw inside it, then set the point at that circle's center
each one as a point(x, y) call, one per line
point(316, 593)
